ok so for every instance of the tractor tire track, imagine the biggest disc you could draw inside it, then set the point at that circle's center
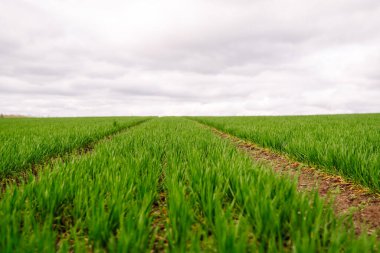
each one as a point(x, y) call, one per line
point(159, 215)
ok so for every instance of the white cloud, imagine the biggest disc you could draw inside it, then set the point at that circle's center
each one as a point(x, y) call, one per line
point(177, 57)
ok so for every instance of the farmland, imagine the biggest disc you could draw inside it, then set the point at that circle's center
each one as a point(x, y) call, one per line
point(28, 141)
point(344, 144)
point(163, 185)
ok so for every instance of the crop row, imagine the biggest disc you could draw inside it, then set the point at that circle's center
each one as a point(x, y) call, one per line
point(27, 141)
point(207, 195)
point(345, 144)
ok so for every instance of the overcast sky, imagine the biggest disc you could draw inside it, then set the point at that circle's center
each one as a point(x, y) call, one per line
point(195, 57)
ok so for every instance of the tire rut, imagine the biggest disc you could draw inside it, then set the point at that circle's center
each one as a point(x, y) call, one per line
point(159, 215)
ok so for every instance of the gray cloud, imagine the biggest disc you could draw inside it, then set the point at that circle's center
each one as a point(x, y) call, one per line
point(189, 57)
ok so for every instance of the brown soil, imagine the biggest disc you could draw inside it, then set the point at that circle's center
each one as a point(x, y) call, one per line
point(347, 196)
point(159, 215)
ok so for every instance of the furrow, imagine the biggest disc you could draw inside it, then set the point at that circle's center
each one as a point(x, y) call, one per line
point(160, 216)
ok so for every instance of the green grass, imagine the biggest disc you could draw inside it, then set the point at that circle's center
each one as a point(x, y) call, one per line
point(217, 200)
point(344, 144)
point(27, 141)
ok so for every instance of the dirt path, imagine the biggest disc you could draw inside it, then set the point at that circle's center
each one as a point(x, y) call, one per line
point(348, 197)
point(159, 216)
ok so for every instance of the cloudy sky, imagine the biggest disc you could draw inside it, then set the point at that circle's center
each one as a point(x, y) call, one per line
point(194, 57)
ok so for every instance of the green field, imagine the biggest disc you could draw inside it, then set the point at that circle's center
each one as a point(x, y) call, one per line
point(27, 141)
point(165, 185)
point(344, 144)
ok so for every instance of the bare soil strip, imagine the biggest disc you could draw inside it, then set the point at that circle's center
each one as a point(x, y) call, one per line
point(32, 171)
point(160, 218)
point(347, 197)
point(159, 215)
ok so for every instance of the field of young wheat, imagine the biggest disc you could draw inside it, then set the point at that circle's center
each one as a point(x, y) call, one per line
point(345, 144)
point(169, 184)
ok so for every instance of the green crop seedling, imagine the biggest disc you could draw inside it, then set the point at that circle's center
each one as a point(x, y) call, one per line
point(345, 144)
point(167, 185)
